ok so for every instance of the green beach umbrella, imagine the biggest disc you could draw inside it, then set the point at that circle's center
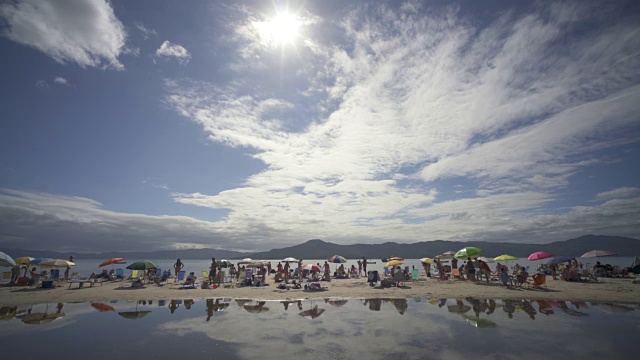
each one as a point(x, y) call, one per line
point(134, 315)
point(469, 251)
point(142, 265)
point(505, 257)
point(224, 263)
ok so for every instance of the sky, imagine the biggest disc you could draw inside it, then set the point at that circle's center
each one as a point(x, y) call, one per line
point(252, 125)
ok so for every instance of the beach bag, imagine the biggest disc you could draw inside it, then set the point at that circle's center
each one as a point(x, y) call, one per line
point(205, 285)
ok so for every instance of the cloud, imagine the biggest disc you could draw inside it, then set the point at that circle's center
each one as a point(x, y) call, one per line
point(83, 32)
point(619, 193)
point(174, 50)
point(412, 99)
point(146, 32)
point(60, 80)
point(42, 84)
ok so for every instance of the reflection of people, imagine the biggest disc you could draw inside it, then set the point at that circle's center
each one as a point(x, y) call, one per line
point(210, 308)
point(188, 303)
point(401, 305)
point(173, 305)
point(59, 308)
point(374, 304)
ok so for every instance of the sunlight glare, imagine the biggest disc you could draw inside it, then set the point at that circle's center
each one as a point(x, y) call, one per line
point(280, 30)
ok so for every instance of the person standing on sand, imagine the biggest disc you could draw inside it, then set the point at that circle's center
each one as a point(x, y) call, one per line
point(178, 266)
point(286, 271)
point(327, 271)
point(364, 265)
point(300, 270)
point(212, 270)
point(66, 272)
point(359, 267)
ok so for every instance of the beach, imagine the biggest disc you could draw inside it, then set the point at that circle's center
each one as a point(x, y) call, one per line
point(620, 290)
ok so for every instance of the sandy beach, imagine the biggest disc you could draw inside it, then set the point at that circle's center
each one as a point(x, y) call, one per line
point(606, 290)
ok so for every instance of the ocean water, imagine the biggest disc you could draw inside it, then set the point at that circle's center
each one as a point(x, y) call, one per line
point(88, 266)
point(415, 328)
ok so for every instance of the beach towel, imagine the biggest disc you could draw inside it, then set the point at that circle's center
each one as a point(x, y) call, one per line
point(186, 287)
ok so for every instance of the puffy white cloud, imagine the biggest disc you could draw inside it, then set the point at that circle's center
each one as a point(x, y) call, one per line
point(174, 50)
point(83, 32)
point(619, 193)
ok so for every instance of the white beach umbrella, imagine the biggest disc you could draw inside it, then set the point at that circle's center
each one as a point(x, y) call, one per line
point(290, 259)
point(245, 261)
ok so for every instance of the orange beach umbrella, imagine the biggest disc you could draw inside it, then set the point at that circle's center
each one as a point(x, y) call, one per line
point(111, 261)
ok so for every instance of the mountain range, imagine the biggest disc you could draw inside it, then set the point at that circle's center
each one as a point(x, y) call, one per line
point(319, 249)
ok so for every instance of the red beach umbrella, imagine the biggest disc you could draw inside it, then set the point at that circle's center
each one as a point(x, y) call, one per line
point(311, 267)
point(111, 261)
point(539, 255)
point(103, 307)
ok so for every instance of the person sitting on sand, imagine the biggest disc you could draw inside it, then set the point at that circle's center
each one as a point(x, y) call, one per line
point(504, 277)
point(191, 279)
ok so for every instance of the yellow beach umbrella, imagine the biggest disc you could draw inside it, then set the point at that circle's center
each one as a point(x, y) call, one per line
point(505, 257)
point(426, 260)
point(24, 260)
point(394, 263)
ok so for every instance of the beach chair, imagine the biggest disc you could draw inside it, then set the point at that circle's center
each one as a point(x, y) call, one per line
point(456, 274)
point(248, 278)
point(6, 276)
point(538, 280)
point(587, 275)
point(180, 276)
point(205, 275)
point(414, 274)
point(399, 278)
point(134, 275)
point(54, 274)
point(119, 274)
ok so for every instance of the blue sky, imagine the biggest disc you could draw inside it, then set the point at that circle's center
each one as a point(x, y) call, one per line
point(253, 125)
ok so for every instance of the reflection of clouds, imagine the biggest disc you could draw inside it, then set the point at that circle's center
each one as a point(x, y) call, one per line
point(302, 337)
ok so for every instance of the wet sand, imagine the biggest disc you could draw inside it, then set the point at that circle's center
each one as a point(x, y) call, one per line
point(606, 290)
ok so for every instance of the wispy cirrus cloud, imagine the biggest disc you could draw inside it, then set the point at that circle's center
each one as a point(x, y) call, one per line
point(83, 32)
point(412, 99)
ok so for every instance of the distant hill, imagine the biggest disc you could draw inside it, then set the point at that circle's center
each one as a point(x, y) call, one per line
point(319, 249)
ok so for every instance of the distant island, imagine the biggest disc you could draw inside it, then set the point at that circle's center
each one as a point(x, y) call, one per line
point(319, 249)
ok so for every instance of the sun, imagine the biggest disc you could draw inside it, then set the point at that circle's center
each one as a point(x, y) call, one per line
point(282, 29)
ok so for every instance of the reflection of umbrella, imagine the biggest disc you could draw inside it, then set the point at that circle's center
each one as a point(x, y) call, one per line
point(6, 260)
point(469, 251)
point(41, 318)
point(613, 308)
point(290, 259)
point(313, 312)
point(311, 267)
point(539, 255)
point(393, 263)
point(133, 315)
point(103, 307)
point(111, 261)
point(24, 260)
point(338, 303)
point(142, 265)
point(8, 312)
point(337, 259)
point(256, 309)
point(241, 302)
point(458, 309)
point(426, 260)
point(478, 322)
point(597, 253)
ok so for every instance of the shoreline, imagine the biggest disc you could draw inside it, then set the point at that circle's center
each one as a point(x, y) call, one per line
point(618, 290)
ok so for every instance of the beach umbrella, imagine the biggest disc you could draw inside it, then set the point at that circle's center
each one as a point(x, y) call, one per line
point(142, 265)
point(485, 259)
point(134, 315)
point(426, 260)
point(597, 253)
point(393, 263)
point(102, 307)
point(290, 259)
point(539, 255)
point(395, 258)
point(224, 263)
point(57, 263)
point(41, 318)
point(6, 260)
point(469, 251)
point(505, 257)
point(39, 260)
point(111, 261)
point(245, 261)
point(558, 259)
point(478, 322)
point(446, 255)
point(337, 259)
point(311, 267)
point(24, 260)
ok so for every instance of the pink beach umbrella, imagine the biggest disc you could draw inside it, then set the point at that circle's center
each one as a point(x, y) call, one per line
point(539, 255)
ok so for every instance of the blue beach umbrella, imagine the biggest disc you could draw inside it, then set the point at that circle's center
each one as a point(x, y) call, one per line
point(6, 260)
point(337, 259)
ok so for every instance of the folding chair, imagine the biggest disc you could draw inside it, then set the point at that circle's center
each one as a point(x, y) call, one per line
point(414, 274)
point(120, 274)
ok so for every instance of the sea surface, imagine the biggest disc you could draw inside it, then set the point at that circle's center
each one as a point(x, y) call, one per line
point(416, 328)
point(87, 266)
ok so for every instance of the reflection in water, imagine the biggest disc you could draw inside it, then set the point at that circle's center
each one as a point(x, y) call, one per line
point(333, 328)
